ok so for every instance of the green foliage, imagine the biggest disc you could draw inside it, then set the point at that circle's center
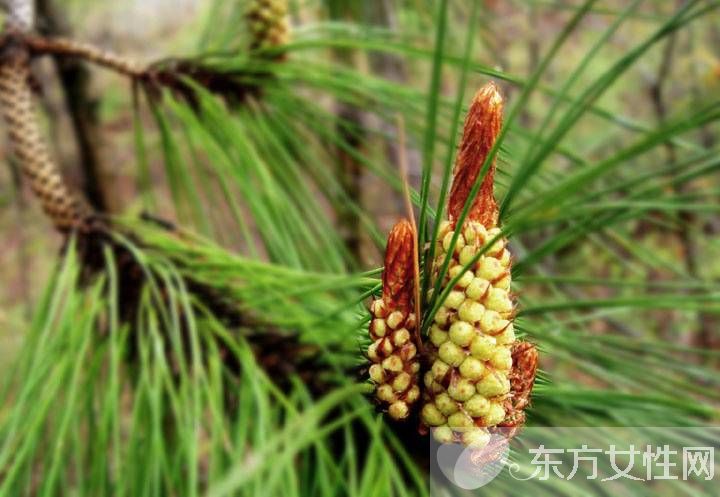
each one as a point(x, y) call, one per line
point(99, 405)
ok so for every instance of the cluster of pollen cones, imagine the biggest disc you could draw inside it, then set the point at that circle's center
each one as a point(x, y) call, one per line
point(268, 23)
point(474, 377)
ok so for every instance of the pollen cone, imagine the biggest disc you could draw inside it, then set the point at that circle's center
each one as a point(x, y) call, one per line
point(468, 388)
point(394, 355)
point(268, 23)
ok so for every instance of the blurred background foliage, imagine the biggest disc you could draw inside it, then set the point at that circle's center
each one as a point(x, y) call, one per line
point(282, 196)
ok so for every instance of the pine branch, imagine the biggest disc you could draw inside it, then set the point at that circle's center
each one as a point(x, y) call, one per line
point(177, 75)
point(82, 104)
point(55, 45)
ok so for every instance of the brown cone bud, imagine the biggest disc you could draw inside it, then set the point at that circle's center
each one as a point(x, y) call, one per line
point(482, 125)
point(397, 277)
point(393, 352)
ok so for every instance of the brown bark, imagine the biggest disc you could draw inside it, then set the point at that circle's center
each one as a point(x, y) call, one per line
point(82, 107)
point(685, 220)
point(392, 68)
point(350, 175)
point(349, 171)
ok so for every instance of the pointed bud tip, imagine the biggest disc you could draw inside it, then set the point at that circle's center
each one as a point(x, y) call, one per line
point(402, 228)
point(484, 115)
point(399, 266)
point(488, 96)
point(482, 126)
